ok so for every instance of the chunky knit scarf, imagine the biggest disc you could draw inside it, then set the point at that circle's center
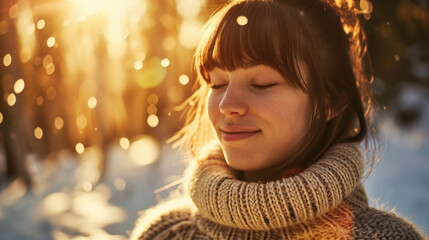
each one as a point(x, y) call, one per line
point(326, 201)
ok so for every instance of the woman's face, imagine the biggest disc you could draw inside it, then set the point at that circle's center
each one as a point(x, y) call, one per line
point(258, 117)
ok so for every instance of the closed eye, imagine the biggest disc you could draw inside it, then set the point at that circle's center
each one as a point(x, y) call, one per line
point(212, 86)
point(263, 86)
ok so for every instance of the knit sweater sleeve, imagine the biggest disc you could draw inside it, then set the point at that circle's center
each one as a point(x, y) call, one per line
point(376, 224)
point(168, 220)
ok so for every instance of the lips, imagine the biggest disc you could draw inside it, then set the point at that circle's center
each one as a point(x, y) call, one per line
point(236, 133)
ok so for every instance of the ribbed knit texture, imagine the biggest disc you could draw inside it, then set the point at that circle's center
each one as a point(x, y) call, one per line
point(326, 201)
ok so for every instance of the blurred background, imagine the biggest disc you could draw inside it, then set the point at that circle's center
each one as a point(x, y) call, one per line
point(89, 94)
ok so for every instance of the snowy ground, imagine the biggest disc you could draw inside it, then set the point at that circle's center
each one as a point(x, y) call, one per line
point(66, 205)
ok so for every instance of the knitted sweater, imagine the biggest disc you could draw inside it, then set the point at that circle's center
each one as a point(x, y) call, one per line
point(325, 201)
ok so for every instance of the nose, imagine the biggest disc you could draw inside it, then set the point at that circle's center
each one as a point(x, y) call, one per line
point(233, 102)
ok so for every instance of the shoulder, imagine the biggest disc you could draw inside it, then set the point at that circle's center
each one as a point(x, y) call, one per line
point(377, 224)
point(163, 220)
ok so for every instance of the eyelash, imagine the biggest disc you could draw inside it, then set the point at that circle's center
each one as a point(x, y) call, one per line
point(253, 85)
point(264, 86)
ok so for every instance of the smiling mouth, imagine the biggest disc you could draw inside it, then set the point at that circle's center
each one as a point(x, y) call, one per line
point(236, 136)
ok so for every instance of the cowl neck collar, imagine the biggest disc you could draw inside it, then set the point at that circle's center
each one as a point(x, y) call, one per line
point(223, 199)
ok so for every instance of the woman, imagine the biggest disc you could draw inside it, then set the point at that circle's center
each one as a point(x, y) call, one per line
point(275, 128)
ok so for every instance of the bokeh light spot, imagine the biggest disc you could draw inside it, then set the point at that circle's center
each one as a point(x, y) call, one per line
point(14, 11)
point(79, 148)
point(56, 203)
point(169, 43)
point(38, 133)
point(144, 151)
point(50, 69)
point(152, 120)
point(397, 57)
point(152, 99)
point(58, 123)
point(51, 93)
point(40, 24)
point(184, 79)
point(81, 121)
point(19, 86)
point(242, 20)
point(152, 74)
point(66, 23)
point(47, 60)
point(138, 65)
point(120, 184)
point(124, 143)
point(152, 109)
point(87, 186)
point(7, 60)
point(11, 99)
point(4, 27)
point(1, 117)
point(165, 62)
point(50, 42)
point(92, 102)
point(39, 100)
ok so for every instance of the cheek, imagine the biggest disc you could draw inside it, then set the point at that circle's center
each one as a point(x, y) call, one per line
point(212, 107)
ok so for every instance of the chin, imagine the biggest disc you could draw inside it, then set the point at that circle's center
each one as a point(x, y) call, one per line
point(243, 164)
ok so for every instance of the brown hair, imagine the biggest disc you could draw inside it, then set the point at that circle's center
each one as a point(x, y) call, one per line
point(324, 36)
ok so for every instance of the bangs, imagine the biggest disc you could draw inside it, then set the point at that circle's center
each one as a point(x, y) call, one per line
point(270, 37)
